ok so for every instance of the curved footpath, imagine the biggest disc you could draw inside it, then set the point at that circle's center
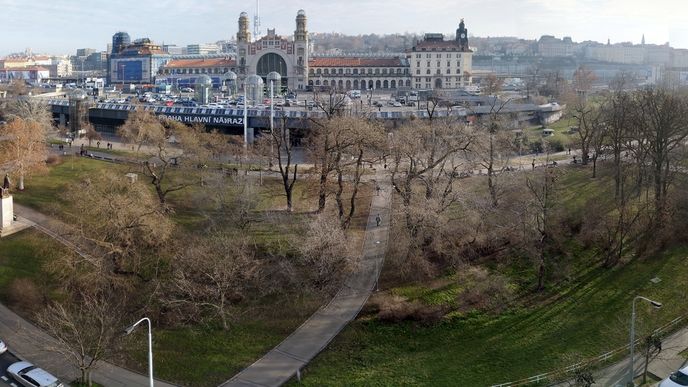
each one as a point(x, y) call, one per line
point(289, 357)
point(29, 342)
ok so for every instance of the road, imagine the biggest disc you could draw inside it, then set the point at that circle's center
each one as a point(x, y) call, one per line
point(7, 359)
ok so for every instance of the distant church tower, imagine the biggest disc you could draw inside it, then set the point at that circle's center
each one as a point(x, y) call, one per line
point(301, 48)
point(243, 40)
point(642, 41)
point(462, 36)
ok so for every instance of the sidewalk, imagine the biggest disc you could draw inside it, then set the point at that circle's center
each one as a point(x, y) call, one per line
point(296, 351)
point(28, 341)
point(668, 361)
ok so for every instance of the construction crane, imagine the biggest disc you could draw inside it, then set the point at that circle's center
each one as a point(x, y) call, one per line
point(256, 22)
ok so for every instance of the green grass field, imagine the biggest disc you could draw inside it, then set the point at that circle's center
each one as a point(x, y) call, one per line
point(584, 313)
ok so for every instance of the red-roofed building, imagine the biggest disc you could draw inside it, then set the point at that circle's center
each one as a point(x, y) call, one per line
point(437, 63)
point(359, 73)
point(184, 72)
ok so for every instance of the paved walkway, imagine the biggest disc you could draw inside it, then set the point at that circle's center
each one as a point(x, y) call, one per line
point(668, 361)
point(289, 357)
point(28, 341)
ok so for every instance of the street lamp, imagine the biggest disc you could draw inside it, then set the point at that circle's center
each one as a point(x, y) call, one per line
point(252, 81)
point(273, 77)
point(632, 344)
point(231, 76)
point(150, 346)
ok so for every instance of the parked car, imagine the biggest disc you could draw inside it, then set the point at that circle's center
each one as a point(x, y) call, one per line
point(677, 379)
point(396, 104)
point(3, 347)
point(29, 375)
point(187, 90)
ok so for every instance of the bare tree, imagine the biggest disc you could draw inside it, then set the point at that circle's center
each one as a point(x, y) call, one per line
point(427, 152)
point(211, 276)
point(91, 134)
point(326, 252)
point(283, 155)
point(156, 139)
point(363, 141)
point(617, 119)
point(492, 85)
point(589, 123)
point(493, 146)
point(542, 188)
point(84, 331)
point(661, 124)
point(24, 148)
point(121, 224)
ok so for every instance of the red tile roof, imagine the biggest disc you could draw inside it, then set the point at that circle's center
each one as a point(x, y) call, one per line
point(200, 63)
point(355, 62)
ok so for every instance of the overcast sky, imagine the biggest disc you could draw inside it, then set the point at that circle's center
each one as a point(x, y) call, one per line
point(62, 26)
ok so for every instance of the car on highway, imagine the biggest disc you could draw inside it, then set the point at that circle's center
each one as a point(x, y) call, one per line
point(29, 375)
point(3, 347)
point(187, 90)
point(677, 379)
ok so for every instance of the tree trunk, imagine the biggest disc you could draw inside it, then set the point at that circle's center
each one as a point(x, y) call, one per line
point(490, 176)
point(322, 191)
point(594, 166)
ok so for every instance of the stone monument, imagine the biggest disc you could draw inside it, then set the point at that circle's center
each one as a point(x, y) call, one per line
point(6, 207)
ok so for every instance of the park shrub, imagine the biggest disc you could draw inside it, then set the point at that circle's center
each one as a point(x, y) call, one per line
point(53, 160)
point(395, 309)
point(483, 290)
point(555, 145)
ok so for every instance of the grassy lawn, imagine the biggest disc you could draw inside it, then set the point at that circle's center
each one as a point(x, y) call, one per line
point(22, 256)
point(561, 132)
point(201, 355)
point(589, 317)
point(583, 314)
point(43, 191)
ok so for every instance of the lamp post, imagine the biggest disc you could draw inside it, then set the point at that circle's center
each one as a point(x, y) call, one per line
point(150, 346)
point(632, 343)
point(252, 81)
point(273, 77)
point(231, 76)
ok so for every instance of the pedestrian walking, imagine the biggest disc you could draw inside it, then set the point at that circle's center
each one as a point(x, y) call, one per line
point(98, 144)
point(569, 150)
point(377, 188)
point(378, 220)
point(533, 164)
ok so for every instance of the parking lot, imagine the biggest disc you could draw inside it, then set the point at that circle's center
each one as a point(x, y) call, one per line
point(6, 359)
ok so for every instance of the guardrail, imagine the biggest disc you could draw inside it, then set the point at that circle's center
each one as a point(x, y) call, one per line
point(560, 374)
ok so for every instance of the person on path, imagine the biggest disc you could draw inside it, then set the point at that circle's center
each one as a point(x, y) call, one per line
point(98, 144)
point(533, 164)
point(378, 220)
point(377, 188)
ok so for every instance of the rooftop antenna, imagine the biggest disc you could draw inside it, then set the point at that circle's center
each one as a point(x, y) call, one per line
point(256, 21)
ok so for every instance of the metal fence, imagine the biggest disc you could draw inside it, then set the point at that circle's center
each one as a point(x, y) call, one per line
point(597, 361)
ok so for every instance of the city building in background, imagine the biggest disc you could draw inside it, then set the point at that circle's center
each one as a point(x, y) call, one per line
point(436, 63)
point(185, 72)
point(201, 49)
point(289, 58)
point(136, 63)
point(359, 72)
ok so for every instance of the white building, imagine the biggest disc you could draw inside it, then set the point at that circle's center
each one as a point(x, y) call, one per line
point(436, 63)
